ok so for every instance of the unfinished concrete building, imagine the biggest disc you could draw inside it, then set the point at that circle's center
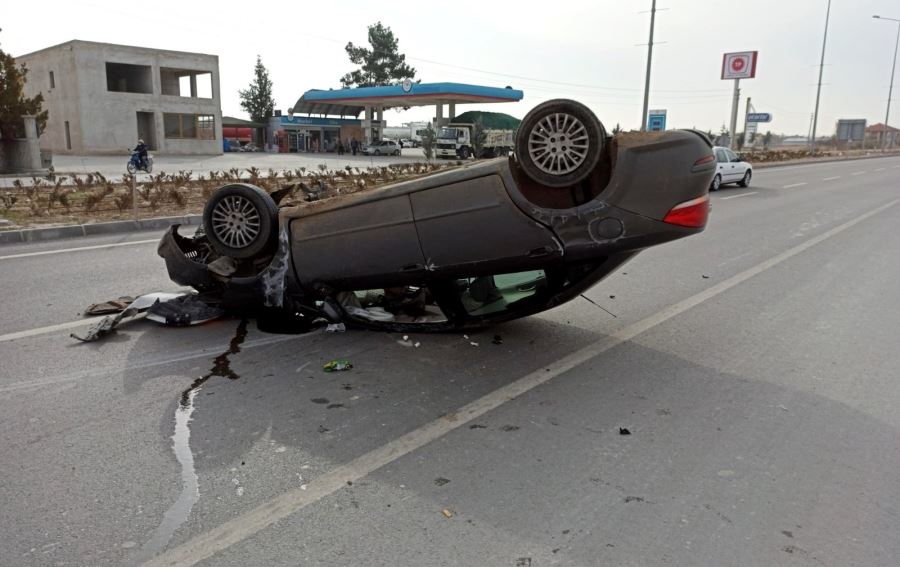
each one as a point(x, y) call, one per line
point(101, 98)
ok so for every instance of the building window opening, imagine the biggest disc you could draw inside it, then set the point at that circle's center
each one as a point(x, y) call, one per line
point(68, 137)
point(185, 83)
point(52, 81)
point(190, 126)
point(126, 78)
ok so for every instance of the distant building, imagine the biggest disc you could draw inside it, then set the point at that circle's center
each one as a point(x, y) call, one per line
point(879, 131)
point(101, 98)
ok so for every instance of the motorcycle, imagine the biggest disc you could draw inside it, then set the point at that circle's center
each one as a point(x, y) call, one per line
point(134, 164)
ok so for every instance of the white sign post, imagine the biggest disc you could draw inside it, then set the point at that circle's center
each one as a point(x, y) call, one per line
point(737, 66)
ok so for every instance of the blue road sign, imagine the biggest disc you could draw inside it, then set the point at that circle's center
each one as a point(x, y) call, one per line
point(656, 120)
point(759, 117)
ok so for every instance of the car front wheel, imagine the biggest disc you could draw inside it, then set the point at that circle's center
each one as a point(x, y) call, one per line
point(745, 182)
point(241, 221)
point(559, 143)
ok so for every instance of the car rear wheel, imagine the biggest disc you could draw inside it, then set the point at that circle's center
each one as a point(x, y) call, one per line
point(745, 182)
point(716, 183)
point(559, 143)
point(241, 221)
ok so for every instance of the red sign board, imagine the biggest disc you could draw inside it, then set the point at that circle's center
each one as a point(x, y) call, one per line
point(739, 65)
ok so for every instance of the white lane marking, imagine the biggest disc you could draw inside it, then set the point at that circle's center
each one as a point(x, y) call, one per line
point(97, 372)
point(225, 535)
point(858, 173)
point(819, 164)
point(64, 250)
point(738, 196)
point(48, 329)
point(793, 185)
point(879, 169)
point(831, 178)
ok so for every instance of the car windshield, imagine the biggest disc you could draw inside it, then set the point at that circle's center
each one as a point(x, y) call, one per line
point(447, 133)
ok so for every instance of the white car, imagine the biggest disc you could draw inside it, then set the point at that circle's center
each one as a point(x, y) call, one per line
point(382, 148)
point(731, 168)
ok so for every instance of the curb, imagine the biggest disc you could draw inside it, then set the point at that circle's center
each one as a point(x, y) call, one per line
point(94, 229)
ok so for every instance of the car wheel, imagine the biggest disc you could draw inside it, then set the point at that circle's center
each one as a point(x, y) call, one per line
point(376, 152)
point(241, 220)
point(397, 153)
point(131, 167)
point(745, 182)
point(716, 183)
point(559, 143)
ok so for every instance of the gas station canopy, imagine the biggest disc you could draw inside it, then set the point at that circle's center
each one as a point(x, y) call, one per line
point(350, 102)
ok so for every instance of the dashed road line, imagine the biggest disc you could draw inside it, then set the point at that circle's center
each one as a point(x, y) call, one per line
point(739, 196)
point(793, 185)
point(831, 178)
point(80, 248)
point(858, 172)
point(879, 169)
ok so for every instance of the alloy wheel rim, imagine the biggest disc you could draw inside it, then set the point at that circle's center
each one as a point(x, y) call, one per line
point(235, 221)
point(558, 144)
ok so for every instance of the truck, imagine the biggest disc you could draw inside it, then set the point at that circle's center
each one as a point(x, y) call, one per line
point(455, 141)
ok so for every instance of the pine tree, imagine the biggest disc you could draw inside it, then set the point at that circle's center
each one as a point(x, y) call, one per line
point(13, 103)
point(257, 98)
point(380, 65)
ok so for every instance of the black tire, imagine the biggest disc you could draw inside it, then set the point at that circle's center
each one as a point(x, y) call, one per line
point(464, 153)
point(149, 166)
point(377, 152)
point(547, 133)
point(745, 182)
point(716, 183)
point(130, 167)
point(241, 221)
point(397, 153)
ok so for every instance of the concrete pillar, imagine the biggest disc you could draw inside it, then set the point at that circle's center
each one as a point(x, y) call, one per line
point(452, 111)
point(193, 86)
point(380, 122)
point(439, 115)
point(367, 125)
point(31, 154)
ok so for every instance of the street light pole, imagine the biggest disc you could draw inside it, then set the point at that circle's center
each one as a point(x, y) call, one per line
point(649, 59)
point(812, 139)
point(887, 113)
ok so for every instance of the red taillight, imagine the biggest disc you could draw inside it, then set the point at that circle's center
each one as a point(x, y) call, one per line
point(704, 160)
point(691, 213)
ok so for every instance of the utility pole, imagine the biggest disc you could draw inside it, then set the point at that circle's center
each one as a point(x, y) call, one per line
point(734, 113)
point(887, 113)
point(812, 139)
point(746, 116)
point(649, 60)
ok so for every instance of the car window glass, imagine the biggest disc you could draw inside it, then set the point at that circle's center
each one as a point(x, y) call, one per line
point(720, 156)
point(731, 155)
point(491, 294)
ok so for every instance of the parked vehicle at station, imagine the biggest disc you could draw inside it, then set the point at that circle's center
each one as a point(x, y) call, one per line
point(730, 168)
point(466, 247)
point(382, 148)
point(455, 141)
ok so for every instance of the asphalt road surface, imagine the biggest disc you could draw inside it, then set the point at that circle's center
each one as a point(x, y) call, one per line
point(755, 367)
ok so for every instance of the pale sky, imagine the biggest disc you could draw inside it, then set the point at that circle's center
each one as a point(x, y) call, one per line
point(584, 50)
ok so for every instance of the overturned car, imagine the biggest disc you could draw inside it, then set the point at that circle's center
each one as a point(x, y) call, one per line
point(467, 247)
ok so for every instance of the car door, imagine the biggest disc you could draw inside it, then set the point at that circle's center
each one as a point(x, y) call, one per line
point(722, 164)
point(736, 167)
point(472, 227)
point(368, 244)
